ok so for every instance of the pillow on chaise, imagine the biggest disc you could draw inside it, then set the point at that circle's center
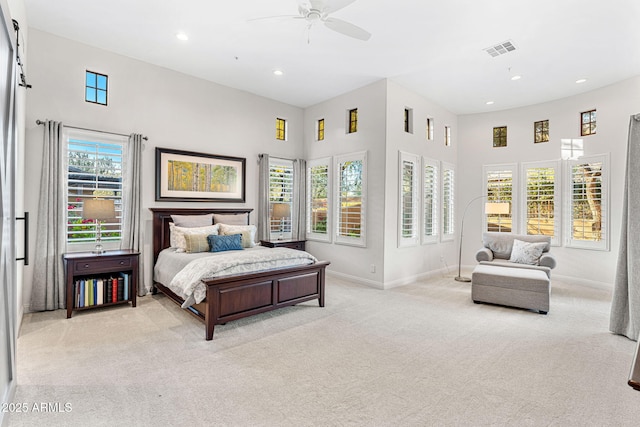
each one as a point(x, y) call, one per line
point(526, 253)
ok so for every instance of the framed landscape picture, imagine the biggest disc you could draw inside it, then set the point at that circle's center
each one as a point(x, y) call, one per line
point(198, 177)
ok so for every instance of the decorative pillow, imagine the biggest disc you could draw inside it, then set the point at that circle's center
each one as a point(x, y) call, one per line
point(526, 253)
point(177, 239)
point(231, 219)
point(248, 233)
point(196, 243)
point(231, 242)
point(192, 220)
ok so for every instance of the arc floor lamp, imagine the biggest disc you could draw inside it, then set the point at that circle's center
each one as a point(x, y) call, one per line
point(490, 208)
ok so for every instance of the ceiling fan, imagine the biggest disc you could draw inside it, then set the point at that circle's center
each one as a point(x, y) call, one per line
point(317, 12)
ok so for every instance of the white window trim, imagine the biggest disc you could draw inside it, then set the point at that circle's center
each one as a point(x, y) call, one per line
point(556, 240)
point(72, 133)
point(452, 205)
point(414, 238)
point(513, 167)
point(327, 237)
point(348, 240)
point(435, 212)
point(602, 245)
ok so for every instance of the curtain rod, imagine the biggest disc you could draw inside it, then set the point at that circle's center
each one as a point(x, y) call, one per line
point(40, 122)
point(279, 158)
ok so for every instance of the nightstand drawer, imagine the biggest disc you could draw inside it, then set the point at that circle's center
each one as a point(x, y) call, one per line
point(102, 264)
point(297, 245)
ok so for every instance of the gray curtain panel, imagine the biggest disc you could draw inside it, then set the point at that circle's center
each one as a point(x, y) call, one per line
point(625, 306)
point(263, 197)
point(132, 227)
point(48, 292)
point(299, 208)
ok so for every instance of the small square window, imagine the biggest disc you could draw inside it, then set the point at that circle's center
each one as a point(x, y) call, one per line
point(281, 129)
point(96, 88)
point(353, 120)
point(500, 136)
point(541, 131)
point(447, 136)
point(320, 130)
point(408, 120)
point(588, 123)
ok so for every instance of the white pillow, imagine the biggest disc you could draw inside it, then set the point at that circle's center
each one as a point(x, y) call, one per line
point(176, 234)
point(248, 233)
point(526, 253)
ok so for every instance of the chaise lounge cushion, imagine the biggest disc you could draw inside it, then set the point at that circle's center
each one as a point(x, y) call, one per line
point(497, 247)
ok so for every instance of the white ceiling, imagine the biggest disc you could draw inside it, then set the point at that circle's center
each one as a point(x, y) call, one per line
point(434, 48)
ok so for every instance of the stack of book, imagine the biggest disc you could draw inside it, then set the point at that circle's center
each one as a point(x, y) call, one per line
point(97, 290)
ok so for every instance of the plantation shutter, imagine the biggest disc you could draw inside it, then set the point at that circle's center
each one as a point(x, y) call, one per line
point(350, 212)
point(542, 201)
point(280, 197)
point(448, 202)
point(499, 189)
point(318, 200)
point(430, 205)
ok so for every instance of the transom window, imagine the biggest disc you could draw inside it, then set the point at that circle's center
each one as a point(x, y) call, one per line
point(500, 136)
point(96, 88)
point(408, 119)
point(541, 131)
point(447, 136)
point(588, 123)
point(281, 129)
point(429, 129)
point(320, 130)
point(353, 120)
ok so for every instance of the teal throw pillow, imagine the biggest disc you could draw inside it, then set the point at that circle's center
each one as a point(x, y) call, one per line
point(230, 242)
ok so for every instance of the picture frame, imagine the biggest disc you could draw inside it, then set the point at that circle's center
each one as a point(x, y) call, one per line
point(188, 176)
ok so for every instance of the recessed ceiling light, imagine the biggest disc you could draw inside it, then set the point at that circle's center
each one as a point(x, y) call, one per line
point(278, 72)
point(581, 81)
point(516, 77)
point(182, 36)
point(489, 102)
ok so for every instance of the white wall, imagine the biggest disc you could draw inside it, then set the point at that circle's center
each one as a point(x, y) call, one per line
point(174, 110)
point(349, 261)
point(403, 265)
point(614, 105)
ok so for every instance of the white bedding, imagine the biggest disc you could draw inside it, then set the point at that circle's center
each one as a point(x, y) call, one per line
point(183, 273)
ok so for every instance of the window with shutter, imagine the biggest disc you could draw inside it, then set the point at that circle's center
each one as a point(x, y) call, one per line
point(319, 199)
point(448, 201)
point(280, 197)
point(351, 179)
point(542, 199)
point(408, 199)
point(499, 188)
point(430, 177)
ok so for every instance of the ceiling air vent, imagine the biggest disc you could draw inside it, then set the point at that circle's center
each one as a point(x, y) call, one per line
point(500, 49)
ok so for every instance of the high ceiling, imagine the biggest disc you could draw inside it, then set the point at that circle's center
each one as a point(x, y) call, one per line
point(435, 48)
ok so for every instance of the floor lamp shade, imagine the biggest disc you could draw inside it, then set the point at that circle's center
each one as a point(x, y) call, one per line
point(496, 208)
point(98, 209)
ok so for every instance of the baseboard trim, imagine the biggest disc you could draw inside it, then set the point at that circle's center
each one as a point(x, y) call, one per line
point(392, 284)
point(355, 279)
point(582, 282)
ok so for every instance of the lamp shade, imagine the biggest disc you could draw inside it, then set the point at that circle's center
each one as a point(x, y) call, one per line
point(98, 209)
point(496, 208)
point(281, 210)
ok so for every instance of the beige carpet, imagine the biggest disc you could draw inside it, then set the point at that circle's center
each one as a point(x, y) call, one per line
point(419, 355)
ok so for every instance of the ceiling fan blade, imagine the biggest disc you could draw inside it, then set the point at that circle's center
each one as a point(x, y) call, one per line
point(262, 18)
point(346, 28)
point(333, 5)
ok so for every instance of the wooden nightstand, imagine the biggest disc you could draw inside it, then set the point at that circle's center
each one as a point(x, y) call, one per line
point(100, 280)
point(293, 244)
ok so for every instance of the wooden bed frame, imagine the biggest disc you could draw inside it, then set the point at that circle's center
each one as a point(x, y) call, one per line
point(234, 297)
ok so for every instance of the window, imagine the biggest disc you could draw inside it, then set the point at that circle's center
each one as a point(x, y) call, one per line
point(351, 179)
point(353, 121)
point(280, 197)
point(95, 88)
point(542, 199)
point(408, 199)
point(408, 120)
point(319, 199)
point(447, 136)
point(448, 201)
point(429, 129)
point(541, 131)
point(571, 148)
point(94, 170)
point(588, 123)
point(281, 129)
point(588, 215)
point(500, 136)
point(320, 130)
point(430, 177)
point(499, 188)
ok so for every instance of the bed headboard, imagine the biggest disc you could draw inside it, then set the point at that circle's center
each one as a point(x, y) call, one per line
point(162, 218)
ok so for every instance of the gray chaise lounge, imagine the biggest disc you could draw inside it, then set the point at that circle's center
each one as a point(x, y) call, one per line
point(497, 280)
